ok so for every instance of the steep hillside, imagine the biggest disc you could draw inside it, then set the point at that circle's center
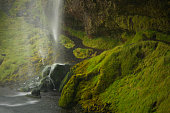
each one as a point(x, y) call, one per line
point(132, 75)
point(132, 78)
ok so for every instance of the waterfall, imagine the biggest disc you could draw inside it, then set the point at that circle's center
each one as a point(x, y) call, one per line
point(53, 17)
point(56, 20)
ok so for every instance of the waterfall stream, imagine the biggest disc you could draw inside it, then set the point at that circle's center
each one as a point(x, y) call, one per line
point(56, 21)
point(55, 26)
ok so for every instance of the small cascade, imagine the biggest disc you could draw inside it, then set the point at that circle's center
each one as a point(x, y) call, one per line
point(49, 76)
point(52, 83)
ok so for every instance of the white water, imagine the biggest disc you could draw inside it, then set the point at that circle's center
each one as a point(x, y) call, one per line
point(12, 98)
point(51, 70)
point(18, 94)
point(19, 104)
point(53, 18)
point(56, 21)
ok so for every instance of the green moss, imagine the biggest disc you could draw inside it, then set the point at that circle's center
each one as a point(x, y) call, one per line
point(67, 99)
point(139, 92)
point(18, 6)
point(133, 78)
point(66, 42)
point(137, 23)
point(83, 53)
point(145, 35)
point(97, 42)
point(126, 37)
point(154, 35)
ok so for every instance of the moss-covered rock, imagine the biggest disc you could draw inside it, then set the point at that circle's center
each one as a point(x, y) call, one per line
point(130, 78)
point(66, 42)
point(83, 53)
point(102, 43)
point(52, 76)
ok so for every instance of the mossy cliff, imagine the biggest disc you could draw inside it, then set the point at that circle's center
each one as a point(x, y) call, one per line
point(100, 17)
point(132, 75)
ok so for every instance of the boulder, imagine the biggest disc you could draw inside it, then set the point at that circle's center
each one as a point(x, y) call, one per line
point(52, 76)
point(58, 72)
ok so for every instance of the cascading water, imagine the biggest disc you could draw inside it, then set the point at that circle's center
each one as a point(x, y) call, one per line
point(49, 76)
point(53, 17)
point(56, 20)
point(55, 28)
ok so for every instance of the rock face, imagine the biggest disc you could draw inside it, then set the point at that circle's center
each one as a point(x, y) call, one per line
point(103, 17)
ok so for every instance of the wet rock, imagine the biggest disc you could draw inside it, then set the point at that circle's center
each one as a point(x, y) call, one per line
point(52, 76)
point(58, 72)
point(46, 84)
point(65, 80)
point(30, 84)
point(46, 71)
point(35, 92)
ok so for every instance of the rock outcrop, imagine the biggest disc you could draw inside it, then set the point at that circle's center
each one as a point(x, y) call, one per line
point(104, 17)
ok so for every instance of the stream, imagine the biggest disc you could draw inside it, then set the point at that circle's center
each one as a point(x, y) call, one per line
point(12, 101)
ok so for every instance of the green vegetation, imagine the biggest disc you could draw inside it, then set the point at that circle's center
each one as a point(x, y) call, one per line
point(97, 42)
point(151, 35)
point(24, 48)
point(131, 78)
point(20, 49)
point(139, 23)
point(66, 42)
point(132, 74)
point(83, 53)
